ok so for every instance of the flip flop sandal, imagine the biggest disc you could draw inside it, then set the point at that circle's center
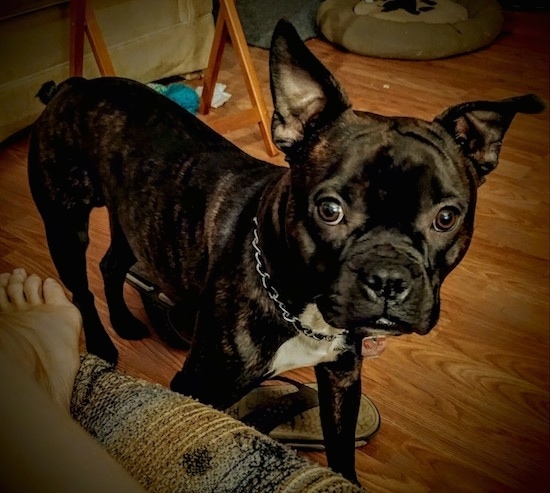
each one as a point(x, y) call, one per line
point(289, 414)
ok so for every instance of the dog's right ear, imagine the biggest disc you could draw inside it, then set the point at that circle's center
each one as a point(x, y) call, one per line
point(305, 94)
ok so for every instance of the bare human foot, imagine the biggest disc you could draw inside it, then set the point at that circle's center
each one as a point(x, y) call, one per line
point(40, 330)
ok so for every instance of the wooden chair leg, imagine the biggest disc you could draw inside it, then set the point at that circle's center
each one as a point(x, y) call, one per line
point(228, 23)
point(83, 21)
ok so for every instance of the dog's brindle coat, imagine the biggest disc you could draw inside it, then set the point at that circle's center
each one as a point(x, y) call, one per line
point(356, 235)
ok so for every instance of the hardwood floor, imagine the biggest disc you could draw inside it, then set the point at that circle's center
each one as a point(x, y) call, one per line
point(466, 408)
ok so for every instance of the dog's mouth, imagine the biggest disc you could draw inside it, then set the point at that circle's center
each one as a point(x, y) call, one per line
point(386, 325)
point(383, 326)
point(357, 320)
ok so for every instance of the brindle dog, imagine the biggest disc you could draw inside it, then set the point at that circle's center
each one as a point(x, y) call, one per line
point(276, 267)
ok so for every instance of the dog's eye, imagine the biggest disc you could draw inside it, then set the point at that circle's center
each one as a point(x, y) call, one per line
point(446, 219)
point(330, 211)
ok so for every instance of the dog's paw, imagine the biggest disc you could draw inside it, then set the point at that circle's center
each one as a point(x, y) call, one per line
point(178, 383)
point(109, 354)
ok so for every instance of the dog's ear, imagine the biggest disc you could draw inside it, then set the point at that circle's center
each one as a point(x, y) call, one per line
point(479, 127)
point(305, 94)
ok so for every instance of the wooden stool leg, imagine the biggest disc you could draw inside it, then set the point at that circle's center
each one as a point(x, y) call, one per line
point(214, 62)
point(251, 80)
point(228, 23)
point(97, 43)
point(76, 47)
point(83, 21)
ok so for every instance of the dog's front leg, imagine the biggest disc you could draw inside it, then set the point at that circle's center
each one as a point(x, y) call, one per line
point(214, 372)
point(339, 399)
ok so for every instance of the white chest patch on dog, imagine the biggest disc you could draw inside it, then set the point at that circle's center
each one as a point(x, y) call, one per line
point(302, 351)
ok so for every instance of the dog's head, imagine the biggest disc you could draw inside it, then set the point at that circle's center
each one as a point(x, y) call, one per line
point(380, 209)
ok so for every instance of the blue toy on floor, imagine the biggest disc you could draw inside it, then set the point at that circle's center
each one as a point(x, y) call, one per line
point(181, 94)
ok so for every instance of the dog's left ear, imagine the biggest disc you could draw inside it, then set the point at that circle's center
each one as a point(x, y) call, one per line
point(305, 94)
point(479, 127)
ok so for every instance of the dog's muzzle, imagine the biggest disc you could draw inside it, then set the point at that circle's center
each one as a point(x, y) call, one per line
point(382, 290)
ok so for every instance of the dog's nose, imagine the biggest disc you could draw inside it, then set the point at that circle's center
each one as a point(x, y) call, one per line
point(388, 283)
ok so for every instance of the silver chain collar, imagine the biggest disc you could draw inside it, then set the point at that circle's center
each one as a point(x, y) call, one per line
point(274, 294)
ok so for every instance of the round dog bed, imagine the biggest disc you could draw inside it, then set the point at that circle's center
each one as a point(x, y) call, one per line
point(420, 30)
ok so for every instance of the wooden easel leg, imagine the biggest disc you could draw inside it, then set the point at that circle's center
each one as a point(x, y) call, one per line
point(228, 23)
point(251, 80)
point(83, 21)
point(76, 47)
point(214, 62)
point(97, 43)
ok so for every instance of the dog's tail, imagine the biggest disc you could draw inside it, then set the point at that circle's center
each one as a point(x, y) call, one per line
point(47, 92)
point(50, 89)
